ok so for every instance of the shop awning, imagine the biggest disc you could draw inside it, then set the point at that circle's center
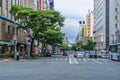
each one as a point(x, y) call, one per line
point(5, 42)
point(10, 20)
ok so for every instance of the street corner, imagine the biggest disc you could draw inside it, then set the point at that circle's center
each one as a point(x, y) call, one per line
point(6, 60)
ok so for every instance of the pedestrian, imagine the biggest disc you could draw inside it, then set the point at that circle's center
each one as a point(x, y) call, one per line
point(17, 55)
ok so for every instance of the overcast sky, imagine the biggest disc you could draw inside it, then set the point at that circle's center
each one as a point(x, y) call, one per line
point(73, 11)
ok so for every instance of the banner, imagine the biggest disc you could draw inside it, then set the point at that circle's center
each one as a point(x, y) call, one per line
point(51, 3)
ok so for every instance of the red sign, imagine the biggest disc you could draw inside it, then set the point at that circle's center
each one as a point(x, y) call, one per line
point(41, 4)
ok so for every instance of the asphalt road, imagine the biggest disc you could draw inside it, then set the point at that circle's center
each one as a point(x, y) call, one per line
point(60, 68)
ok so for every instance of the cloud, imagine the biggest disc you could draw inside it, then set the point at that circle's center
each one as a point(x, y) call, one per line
point(73, 11)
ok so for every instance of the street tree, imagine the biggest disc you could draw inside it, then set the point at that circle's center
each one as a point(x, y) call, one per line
point(36, 20)
point(51, 37)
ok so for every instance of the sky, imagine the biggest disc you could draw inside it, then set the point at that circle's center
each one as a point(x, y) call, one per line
point(73, 11)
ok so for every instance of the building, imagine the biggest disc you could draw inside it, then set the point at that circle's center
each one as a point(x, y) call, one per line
point(45, 4)
point(66, 41)
point(9, 32)
point(31, 4)
point(106, 23)
point(89, 24)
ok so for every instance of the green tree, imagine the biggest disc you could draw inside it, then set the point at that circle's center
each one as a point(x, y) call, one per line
point(65, 46)
point(37, 20)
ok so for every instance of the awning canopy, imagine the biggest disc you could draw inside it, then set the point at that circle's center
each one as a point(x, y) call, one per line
point(10, 20)
point(5, 42)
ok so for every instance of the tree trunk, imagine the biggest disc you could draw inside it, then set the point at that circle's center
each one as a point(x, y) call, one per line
point(31, 48)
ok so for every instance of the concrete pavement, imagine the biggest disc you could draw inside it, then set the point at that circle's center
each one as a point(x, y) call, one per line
point(59, 68)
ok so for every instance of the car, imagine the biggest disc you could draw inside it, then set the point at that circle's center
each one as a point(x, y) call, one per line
point(114, 56)
point(93, 54)
point(86, 54)
point(64, 53)
point(48, 54)
point(104, 54)
point(79, 54)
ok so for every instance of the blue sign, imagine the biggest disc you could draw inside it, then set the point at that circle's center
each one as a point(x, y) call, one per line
point(51, 3)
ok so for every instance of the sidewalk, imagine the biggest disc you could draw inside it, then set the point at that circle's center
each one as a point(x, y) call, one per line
point(6, 59)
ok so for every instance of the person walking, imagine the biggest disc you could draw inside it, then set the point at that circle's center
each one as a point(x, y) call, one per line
point(17, 55)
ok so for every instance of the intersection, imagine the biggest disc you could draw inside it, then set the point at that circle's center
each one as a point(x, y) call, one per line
point(59, 67)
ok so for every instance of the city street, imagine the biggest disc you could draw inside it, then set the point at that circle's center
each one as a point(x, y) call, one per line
point(60, 67)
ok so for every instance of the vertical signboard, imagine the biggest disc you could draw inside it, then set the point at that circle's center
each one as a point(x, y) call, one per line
point(51, 3)
point(41, 4)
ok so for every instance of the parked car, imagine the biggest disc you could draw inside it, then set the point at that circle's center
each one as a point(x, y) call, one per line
point(48, 54)
point(86, 53)
point(114, 56)
point(64, 53)
point(93, 54)
point(79, 54)
point(104, 54)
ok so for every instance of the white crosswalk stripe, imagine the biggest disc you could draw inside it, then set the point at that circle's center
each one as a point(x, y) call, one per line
point(57, 59)
point(100, 61)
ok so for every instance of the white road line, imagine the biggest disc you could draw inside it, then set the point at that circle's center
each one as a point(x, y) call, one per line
point(52, 59)
point(97, 61)
point(48, 59)
point(72, 60)
point(61, 59)
point(56, 59)
point(66, 59)
point(84, 60)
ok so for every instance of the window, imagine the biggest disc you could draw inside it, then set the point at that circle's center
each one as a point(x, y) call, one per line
point(8, 28)
point(116, 10)
point(116, 25)
point(116, 17)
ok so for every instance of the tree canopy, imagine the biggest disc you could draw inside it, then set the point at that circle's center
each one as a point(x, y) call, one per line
point(38, 21)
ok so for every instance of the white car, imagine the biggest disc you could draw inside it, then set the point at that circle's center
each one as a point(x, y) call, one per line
point(104, 54)
point(79, 54)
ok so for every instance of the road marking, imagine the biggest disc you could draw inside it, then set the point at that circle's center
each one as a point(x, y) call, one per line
point(96, 61)
point(84, 60)
point(56, 59)
point(61, 59)
point(66, 59)
point(48, 59)
point(52, 59)
point(72, 60)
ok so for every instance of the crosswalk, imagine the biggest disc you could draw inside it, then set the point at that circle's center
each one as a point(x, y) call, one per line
point(99, 60)
point(69, 60)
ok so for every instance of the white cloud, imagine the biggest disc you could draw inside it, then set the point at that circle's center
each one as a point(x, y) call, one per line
point(73, 11)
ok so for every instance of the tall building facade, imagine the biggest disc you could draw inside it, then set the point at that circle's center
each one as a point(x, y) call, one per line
point(31, 4)
point(89, 24)
point(106, 23)
point(9, 27)
point(46, 4)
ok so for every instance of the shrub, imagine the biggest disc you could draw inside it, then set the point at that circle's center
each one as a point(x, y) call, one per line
point(5, 55)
